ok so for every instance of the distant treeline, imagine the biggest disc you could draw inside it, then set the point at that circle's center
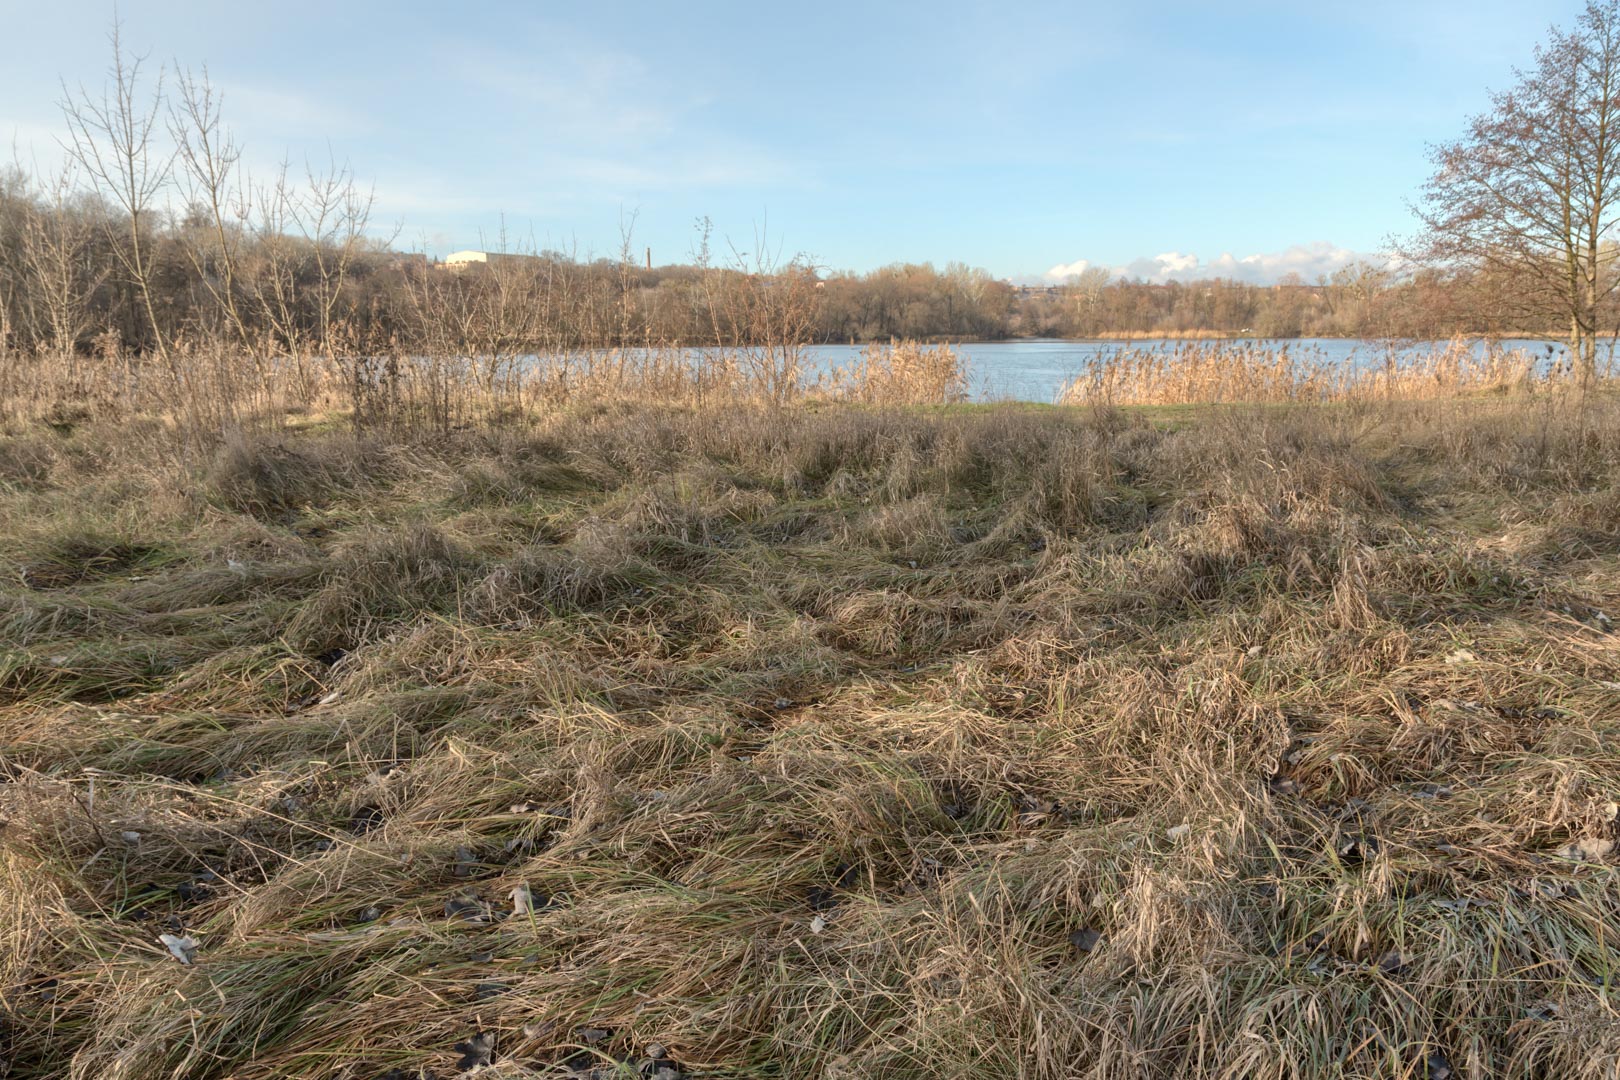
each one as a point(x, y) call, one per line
point(301, 276)
point(293, 271)
point(1361, 300)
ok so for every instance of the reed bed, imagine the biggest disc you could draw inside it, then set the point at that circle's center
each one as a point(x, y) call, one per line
point(1259, 373)
point(203, 392)
point(901, 373)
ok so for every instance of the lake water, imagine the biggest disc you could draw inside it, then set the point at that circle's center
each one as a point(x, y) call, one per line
point(1035, 369)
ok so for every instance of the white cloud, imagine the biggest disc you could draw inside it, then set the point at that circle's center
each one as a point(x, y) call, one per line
point(1309, 261)
point(1067, 270)
point(1173, 264)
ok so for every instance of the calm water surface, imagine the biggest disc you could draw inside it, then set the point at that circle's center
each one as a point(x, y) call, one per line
point(1035, 369)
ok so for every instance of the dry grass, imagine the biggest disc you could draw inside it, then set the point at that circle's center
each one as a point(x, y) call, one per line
point(1252, 372)
point(835, 742)
point(197, 394)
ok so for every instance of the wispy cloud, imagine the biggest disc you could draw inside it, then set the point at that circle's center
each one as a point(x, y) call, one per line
point(602, 97)
point(277, 113)
point(606, 124)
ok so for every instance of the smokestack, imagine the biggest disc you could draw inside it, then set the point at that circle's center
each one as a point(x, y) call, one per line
point(649, 257)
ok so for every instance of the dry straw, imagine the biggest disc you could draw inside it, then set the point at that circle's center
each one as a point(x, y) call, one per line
point(607, 736)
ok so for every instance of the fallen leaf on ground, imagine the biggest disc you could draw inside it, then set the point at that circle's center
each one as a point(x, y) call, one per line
point(522, 901)
point(183, 946)
point(1588, 849)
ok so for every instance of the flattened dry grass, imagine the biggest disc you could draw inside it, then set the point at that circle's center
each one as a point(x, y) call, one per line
point(833, 742)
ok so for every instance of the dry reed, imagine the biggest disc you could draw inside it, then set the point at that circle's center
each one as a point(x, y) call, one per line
point(1263, 373)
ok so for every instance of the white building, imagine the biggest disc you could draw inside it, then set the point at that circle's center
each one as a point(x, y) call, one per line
point(460, 260)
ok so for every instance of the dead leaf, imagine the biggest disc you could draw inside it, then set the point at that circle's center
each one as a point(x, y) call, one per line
point(1588, 849)
point(522, 901)
point(183, 947)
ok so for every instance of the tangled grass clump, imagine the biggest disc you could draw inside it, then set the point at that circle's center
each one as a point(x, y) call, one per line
point(820, 742)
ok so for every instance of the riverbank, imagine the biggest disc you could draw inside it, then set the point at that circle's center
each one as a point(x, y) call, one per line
point(1221, 335)
point(824, 741)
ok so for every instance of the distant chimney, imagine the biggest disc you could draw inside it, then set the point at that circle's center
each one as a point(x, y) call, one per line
point(649, 257)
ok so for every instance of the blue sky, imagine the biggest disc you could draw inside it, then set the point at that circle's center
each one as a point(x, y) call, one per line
point(1022, 137)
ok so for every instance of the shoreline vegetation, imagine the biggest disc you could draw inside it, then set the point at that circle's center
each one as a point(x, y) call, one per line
point(1491, 336)
point(1234, 335)
point(198, 394)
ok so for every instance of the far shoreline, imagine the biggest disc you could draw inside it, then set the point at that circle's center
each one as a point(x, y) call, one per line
point(1128, 337)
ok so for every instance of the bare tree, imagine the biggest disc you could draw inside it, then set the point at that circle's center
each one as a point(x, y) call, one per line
point(1531, 190)
point(765, 307)
point(306, 240)
point(271, 275)
point(112, 139)
point(208, 158)
point(332, 215)
point(58, 259)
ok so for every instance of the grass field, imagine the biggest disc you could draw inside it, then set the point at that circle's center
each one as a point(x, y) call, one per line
point(824, 742)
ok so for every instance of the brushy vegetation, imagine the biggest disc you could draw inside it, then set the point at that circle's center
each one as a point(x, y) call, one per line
point(840, 741)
